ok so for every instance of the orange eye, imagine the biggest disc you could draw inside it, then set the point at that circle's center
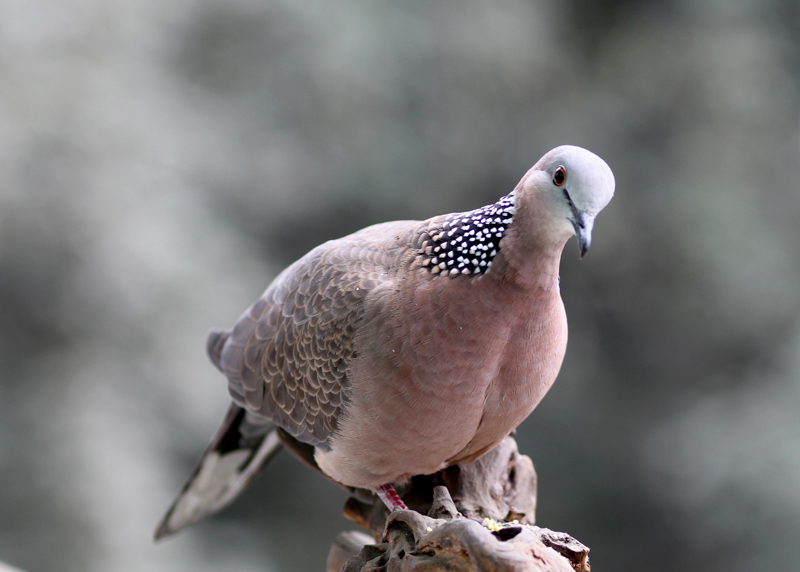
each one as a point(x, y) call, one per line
point(560, 176)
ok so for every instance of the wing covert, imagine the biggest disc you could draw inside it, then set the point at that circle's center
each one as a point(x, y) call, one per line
point(287, 357)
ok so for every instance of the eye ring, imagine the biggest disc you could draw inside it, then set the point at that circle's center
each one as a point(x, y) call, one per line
point(560, 176)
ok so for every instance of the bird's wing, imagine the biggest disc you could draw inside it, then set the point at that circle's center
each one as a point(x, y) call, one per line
point(242, 446)
point(287, 357)
point(286, 361)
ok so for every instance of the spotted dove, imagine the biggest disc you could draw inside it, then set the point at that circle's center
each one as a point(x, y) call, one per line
point(405, 347)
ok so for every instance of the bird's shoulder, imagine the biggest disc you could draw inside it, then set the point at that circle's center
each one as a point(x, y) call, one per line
point(360, 260)
point(287, 356)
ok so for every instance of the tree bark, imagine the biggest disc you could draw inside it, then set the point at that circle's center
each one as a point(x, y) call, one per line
point(480, 518)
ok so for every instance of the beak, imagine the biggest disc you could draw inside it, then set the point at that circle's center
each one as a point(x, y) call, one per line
point(583, 232)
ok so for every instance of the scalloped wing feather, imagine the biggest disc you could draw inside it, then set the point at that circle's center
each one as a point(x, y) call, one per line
point(287, 357)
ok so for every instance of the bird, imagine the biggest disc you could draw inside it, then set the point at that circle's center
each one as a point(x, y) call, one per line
point(405, 347)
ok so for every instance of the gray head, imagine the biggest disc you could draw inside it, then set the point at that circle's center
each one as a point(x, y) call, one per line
point(570, 185)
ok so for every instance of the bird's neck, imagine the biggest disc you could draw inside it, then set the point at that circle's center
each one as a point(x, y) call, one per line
point(466, 243)
point(513, 244)
point(529, 266)
point(530, 252)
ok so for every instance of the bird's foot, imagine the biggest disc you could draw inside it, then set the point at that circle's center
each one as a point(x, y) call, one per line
point(390, 497)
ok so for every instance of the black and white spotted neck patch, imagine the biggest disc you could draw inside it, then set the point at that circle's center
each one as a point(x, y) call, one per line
point(467, 242)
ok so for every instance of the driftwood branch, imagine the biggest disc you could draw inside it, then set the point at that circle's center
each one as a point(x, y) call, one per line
point(480, 517)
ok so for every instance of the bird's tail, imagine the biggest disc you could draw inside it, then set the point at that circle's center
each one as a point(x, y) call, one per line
point(214, 343)
point(236, 455)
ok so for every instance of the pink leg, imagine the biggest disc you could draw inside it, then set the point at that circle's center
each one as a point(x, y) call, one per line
point(390, 497)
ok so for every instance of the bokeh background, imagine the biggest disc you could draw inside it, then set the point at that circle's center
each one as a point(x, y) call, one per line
point(161, 162)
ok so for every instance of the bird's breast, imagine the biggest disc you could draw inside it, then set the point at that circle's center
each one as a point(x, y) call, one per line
point(443, 368)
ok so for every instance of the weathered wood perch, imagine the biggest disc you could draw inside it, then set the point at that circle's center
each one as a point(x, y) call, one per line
point(480, 518)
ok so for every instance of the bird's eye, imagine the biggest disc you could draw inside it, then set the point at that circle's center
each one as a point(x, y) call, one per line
point(560, 176)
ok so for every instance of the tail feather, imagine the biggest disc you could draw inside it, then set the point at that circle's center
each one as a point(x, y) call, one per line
point(214, 343)
point(235, 457)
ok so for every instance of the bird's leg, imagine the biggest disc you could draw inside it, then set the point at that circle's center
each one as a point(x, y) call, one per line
point(390, 497)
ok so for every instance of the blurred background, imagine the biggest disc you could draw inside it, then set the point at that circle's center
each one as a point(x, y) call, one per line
point(161, 162)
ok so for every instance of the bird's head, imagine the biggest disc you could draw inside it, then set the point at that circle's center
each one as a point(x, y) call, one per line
point(567, 188)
